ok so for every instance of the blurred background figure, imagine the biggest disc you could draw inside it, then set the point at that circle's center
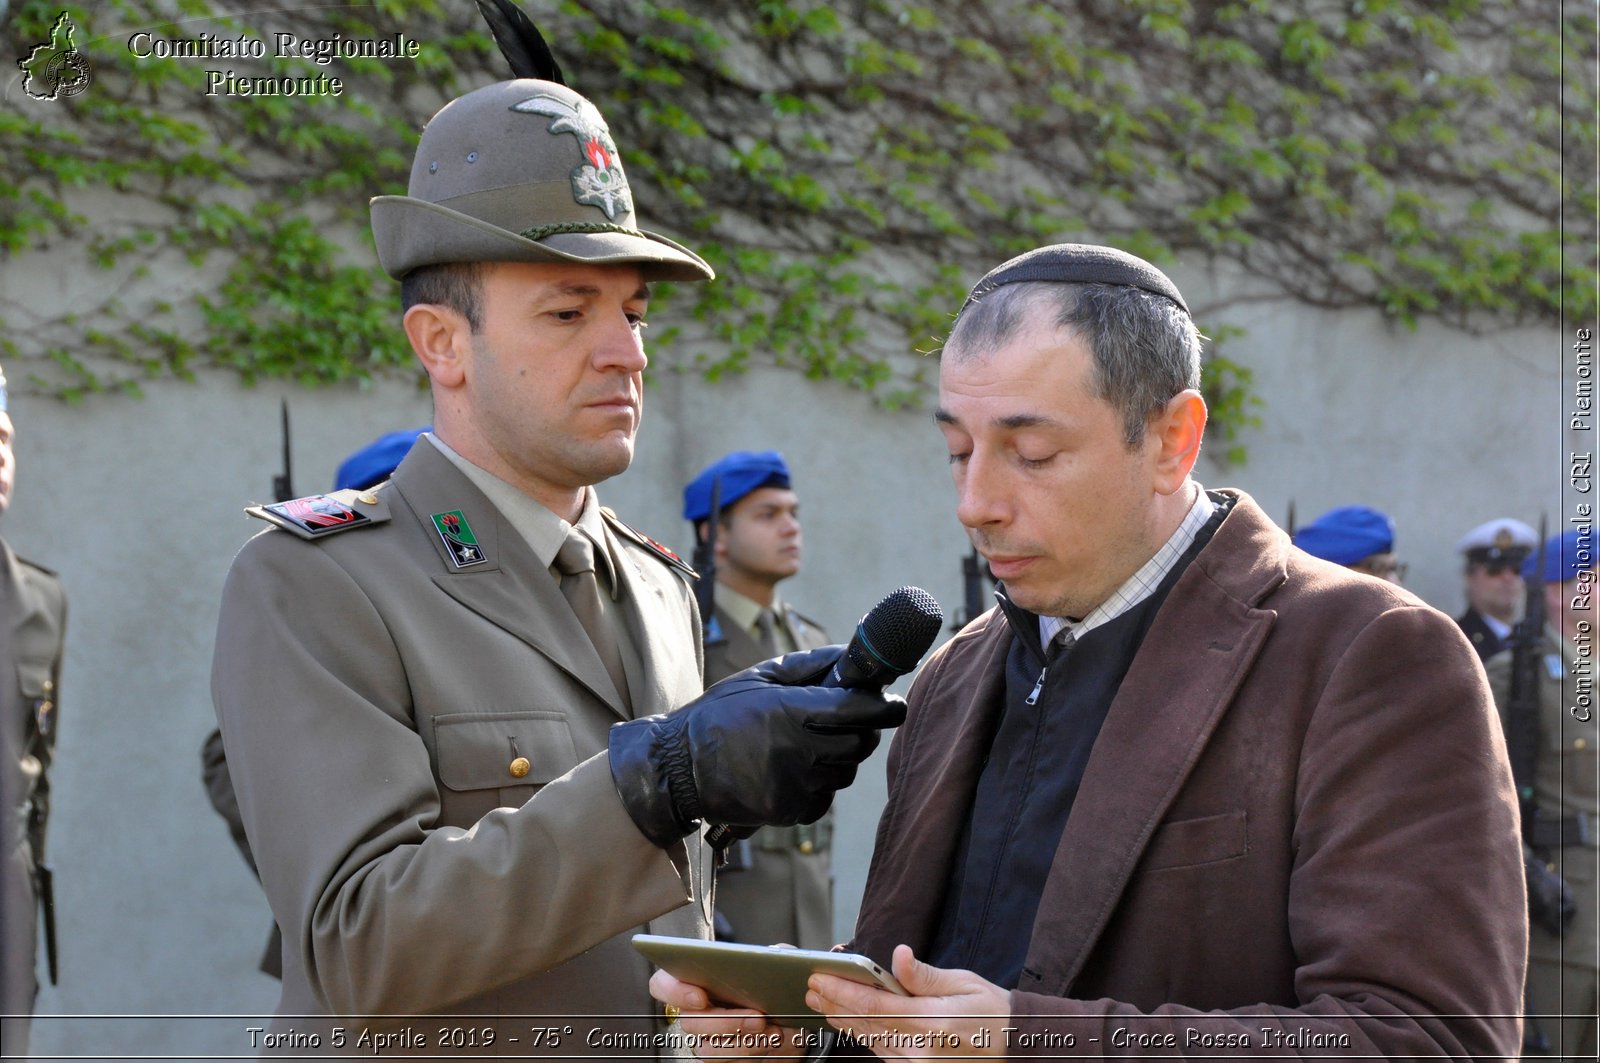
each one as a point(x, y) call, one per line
point(1494, 553)
point(777, 886)
point(1358, 537)
point(1554, 740)
point(372, 464)
point(33, 620)
point(367, 467)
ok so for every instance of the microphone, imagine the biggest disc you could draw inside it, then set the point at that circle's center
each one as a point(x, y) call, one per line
point(888, 643)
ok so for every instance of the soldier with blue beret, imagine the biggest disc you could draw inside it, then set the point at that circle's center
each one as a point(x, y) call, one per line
point(1358, 537)
point(1493, 554)
point(1563, 968)
point(778, 885)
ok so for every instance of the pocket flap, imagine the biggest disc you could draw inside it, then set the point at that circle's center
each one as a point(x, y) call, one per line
point(480, 750)
point(1205, 840)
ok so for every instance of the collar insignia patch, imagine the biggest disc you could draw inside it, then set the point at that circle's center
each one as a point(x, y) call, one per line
point(458, 539)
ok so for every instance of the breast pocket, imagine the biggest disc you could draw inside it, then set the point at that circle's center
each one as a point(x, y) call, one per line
point(504, 757)
point(1197, 842)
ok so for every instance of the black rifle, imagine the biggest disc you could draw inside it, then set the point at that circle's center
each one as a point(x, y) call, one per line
point(974, 573)
point(282, 490)
point(705, 564)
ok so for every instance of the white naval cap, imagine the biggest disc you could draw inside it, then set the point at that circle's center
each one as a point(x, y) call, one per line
point(1504, 538)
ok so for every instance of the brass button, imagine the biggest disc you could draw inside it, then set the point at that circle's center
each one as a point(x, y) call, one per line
point(1580, 744)
point(520, 767)
point(367, 497)
point(49, 685)
point(807, 847)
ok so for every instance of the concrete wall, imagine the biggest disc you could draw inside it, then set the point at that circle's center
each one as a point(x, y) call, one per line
point(138, 504)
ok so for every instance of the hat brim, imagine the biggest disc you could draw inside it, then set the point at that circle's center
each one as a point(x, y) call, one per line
point(412, 232)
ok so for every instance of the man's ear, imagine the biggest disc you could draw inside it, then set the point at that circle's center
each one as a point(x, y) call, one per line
point(1177, 430)
point(441, 339)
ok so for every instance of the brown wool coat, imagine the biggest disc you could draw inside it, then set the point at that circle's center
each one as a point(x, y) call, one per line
point(372, 697)
point(1298, 816)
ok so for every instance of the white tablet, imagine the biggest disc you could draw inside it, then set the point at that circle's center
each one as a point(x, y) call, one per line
point(769, 979)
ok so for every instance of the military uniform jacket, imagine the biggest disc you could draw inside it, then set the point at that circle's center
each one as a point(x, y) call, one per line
point(1480, 634)
point(785, 893)
point(739, 649)
point(1298, 815)
point(374, 698)
point(1566, 773)
point(33, 619)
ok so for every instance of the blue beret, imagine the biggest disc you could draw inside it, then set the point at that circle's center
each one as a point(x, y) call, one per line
point(1565, 556)
point(741, 472)
point(373, 463)
point(1347, 534)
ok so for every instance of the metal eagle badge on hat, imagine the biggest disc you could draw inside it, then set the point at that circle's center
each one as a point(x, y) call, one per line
point(458, 539)
point(600, 182)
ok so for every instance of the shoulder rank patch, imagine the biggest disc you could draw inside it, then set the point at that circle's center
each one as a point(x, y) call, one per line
point(661, 551)
point(316, 516)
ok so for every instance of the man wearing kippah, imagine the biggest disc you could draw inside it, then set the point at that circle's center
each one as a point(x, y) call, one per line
point(1494, 553)
point(33, 620)
point(462, 709)
point(777, 885)
point(1564, 969)
point(1188, 790)
point(1358, 537)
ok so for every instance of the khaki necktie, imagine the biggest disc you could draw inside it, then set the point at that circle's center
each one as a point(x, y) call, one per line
point(767, 632)
point(581, 587)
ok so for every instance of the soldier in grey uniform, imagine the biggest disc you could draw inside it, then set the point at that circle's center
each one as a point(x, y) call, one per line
point(1564, 970)
point(448, 701)
point(776, 886)
point(33, 619)
point(1493, 554)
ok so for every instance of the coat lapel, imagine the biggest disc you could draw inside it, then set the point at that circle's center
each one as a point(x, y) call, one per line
point(645, 609)
point(510, 589)
point(922, 827)
point(1203, 643)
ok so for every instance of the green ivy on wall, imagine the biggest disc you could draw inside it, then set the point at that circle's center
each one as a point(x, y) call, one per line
point(848, 168)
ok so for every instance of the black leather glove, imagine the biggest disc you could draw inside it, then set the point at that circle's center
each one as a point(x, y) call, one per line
point(761, 747)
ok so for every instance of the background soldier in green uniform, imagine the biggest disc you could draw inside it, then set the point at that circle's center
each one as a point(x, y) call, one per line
point(1562, 968)
point(33, 619)
point(777, 885)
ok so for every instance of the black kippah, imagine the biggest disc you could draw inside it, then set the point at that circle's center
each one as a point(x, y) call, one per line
point(1079, 264)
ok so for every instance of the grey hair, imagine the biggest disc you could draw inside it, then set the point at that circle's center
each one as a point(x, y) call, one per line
point(1145, 348)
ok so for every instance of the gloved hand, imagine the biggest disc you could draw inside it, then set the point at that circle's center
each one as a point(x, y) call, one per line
point(761, 747)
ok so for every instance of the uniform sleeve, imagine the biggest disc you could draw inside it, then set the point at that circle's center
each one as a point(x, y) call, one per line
point(389, 911)
point(1406, 907)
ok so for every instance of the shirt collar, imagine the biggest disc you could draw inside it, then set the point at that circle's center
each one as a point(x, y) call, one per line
point(540, 528)
point(1142, 583)
point(743, 610)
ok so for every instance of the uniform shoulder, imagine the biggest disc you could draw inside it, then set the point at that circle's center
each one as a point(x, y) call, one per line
point(659, 551)
point(38, 571)
point(319, 516)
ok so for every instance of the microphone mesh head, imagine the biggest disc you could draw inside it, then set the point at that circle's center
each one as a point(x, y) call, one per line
point(900, 628)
